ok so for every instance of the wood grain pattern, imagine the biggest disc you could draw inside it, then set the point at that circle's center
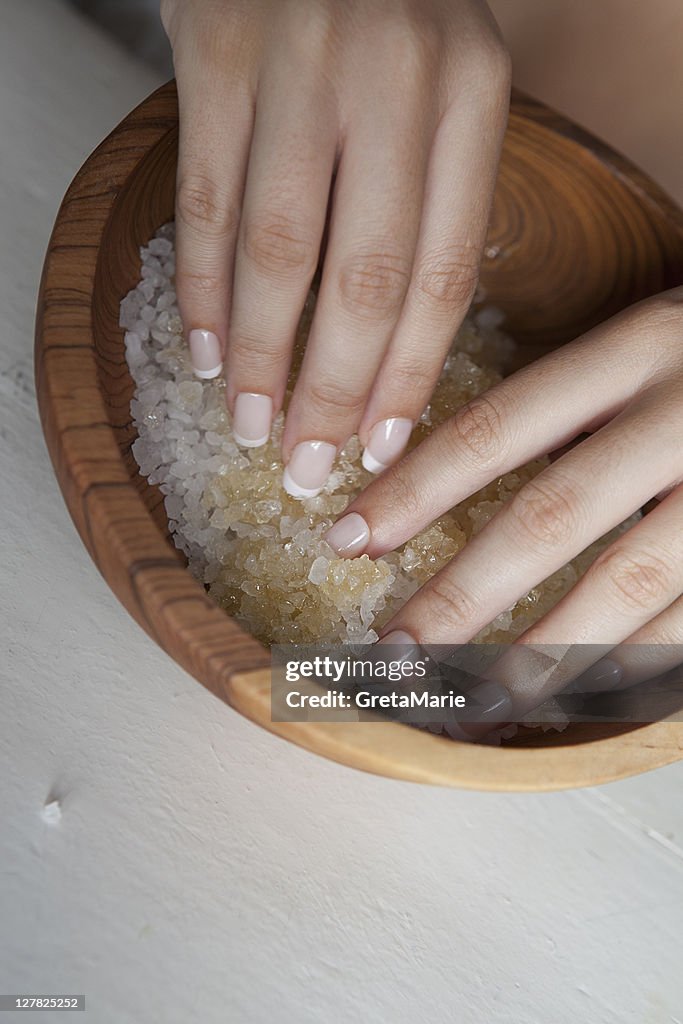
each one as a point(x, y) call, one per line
point(576, 234)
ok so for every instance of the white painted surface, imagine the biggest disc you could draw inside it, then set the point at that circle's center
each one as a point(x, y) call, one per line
point(177, 864)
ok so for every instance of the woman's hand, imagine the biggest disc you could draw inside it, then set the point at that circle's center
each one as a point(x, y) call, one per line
point(401, 105)
point(623, 383)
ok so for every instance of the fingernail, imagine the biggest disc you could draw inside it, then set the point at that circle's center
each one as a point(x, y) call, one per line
point(603, 675)
point(252, 418)
point(492, 702)
point(308, 468)
point(349, 535)
point(388, 438)
point(409, 647)
point(487, 705)
point(205, 352)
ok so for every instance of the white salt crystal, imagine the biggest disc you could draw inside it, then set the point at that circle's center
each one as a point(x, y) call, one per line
point(318, 571)
point(141, 329)
point(147, 290)
point(190, 395)
point(489, 317)
point(160, 247)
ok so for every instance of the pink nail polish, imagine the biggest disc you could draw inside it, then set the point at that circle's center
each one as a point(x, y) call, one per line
point(252, 419)
point(388, 438)
point(205, 352)
point(308, 468)
point(349, 536)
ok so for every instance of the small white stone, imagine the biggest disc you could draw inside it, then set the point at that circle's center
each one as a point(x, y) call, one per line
point(318, 571)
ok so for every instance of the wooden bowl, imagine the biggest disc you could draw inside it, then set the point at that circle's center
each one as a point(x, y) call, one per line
point(577, 233)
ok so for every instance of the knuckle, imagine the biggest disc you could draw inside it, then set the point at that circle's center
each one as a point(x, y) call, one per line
point(663, 635)
point(448, 279)
point(546, 512)
point(636, 579)
point(373, 285)
point(277, 246)
point(665, 313)
point(200, 287)
point(666, 304)
point(410, 377)
point(402, 498)
point(450, 604)
point(415, 46)
point(497, 63)
point(201, 206)
point(310, 32)
point(491, 65)
point(478, 429)
point(251, 352)
point(325, 399)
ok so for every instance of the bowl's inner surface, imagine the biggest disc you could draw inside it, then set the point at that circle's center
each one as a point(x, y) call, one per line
point(571, 242)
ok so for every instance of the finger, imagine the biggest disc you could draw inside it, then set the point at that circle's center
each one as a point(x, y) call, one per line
point(288, 182)
point(551, 520)
point(540, 408)
point(652, 650)
point(216, 116)
point(373, 232)
point(460, 182)
point(629, 584)
point(624, 618)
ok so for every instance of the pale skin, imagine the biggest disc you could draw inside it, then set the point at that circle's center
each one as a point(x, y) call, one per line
point(288, 104)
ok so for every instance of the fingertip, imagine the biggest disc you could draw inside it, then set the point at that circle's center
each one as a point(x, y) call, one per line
point(205, 353)
point(386, 443)
point(372, 464)
point(307, 470)
point(349, 536)
point(252, 419)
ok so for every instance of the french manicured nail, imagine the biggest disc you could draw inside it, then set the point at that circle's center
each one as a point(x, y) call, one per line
point(603, 675)
point(205, 352)
point(308, 468)
point(349, 536)
point(252, 419)
point(387, 440)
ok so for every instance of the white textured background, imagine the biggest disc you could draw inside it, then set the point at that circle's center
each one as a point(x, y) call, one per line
point(177, 864)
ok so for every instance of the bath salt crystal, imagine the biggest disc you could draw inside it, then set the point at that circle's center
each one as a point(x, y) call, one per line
point(189, 395)
point(318, 571)
point(489, 317)
point(166, 301)
point(147, 290)
point(141, 329)
point(266, 511)
point(482, 513)
point(133, 343)
point(160, 246)
point(174, 506)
